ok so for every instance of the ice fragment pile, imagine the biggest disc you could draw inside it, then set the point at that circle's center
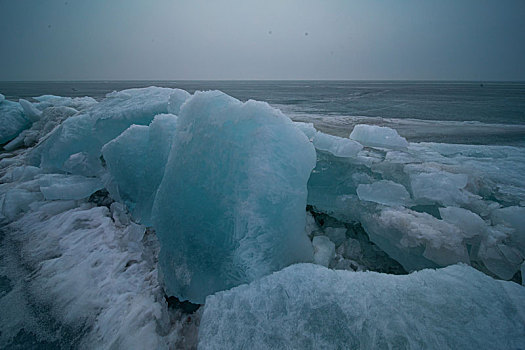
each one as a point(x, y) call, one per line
point(427, 204)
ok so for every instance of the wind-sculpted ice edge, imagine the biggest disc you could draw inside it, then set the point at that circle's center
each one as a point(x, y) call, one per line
point(225, 185)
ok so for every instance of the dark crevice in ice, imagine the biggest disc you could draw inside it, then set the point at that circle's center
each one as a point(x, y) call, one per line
point(5, 285)
point(429, 209)
point(102, 161)
point(518, 278)
point(371, 256)
point(101, 198)
point(184, 306)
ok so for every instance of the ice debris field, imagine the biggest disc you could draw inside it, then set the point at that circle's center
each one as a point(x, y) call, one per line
point(158, 219)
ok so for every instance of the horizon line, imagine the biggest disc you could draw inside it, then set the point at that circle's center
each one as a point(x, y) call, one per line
point(246, 80)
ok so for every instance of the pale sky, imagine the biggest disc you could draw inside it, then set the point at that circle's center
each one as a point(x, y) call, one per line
point(295, 39)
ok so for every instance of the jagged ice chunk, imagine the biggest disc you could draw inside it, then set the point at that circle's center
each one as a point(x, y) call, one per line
point(378, 136)
point(231, 205)
point(384, 192)
point(88, 131)
point(136, 160)
point(12, 121)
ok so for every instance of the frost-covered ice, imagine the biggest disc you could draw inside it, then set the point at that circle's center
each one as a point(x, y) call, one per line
point(338, 146)
point(439, 187)
point(59, 187)
point(50, 118)
point(310, 307)
point(78, 103)
point(30, 111)
point(231, 206)
point(324, 250)
point(78, 275)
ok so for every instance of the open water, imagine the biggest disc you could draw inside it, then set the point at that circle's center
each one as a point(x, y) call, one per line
point(450, 112)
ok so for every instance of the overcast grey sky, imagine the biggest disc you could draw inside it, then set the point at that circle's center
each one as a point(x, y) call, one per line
point(287, 39)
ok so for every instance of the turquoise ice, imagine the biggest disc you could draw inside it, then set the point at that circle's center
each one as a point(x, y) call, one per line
point(136, 161)
point(231, 206)
point(87, 132)
point(12, 120)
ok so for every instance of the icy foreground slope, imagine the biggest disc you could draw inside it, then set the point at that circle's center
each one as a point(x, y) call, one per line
point(83, 276)
point(306, 306)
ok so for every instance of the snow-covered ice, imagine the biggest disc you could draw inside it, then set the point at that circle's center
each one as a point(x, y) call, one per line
point(324, 250)
point(306, 306)
point(78, 275)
